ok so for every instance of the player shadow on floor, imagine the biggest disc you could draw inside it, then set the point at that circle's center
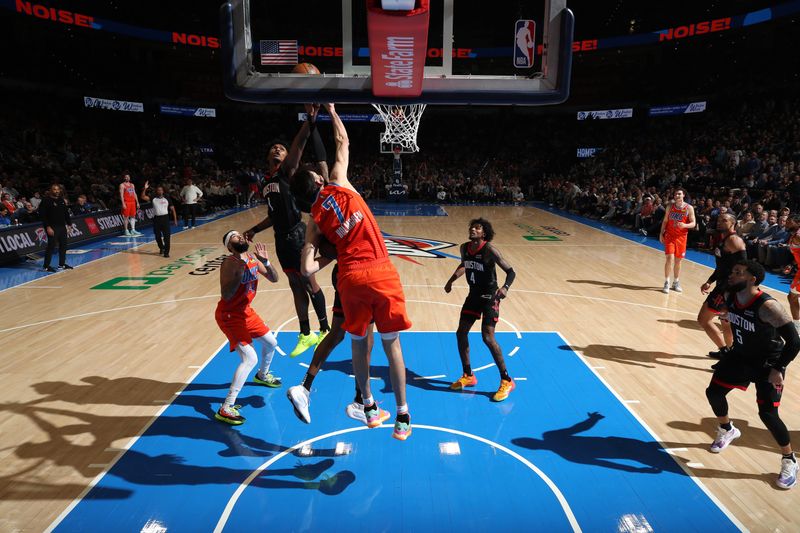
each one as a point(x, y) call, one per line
point(412, 379)
point(68, 446)
point(610, 285)
point(685, 323)
point(629, 356)
point(617, 452)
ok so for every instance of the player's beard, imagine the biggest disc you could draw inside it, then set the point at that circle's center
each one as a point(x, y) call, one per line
point(240, 247)
point(736, 287)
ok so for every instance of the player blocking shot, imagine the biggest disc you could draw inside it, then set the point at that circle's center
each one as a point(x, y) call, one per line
point(240, 323)
point(368, 282)
point(478, 260)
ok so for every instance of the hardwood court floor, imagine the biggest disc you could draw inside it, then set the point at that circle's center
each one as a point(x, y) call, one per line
point(70, 351)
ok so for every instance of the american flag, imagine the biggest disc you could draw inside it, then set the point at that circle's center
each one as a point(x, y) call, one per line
point(281, 52)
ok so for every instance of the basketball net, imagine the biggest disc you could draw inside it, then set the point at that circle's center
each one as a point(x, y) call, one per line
point(401, 124)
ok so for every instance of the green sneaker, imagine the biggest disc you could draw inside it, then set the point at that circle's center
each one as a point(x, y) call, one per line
point(270, 380)
point(321, 335)
point(304, 342)
point(230, 415)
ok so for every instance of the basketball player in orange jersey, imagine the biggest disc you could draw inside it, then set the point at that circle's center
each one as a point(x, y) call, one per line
point(793, 227)
point(728, 252)
point(478, 260)
point(678, 220)
point(130, 205)
point(238, 279)
point(368, 281)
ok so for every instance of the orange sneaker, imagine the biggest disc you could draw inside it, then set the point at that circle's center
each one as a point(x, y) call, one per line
point(505, 389)
point(464, 381)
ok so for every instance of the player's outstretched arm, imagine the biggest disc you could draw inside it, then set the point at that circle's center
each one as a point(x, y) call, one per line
point(292, 160)
point(265, 267)
point(339, 170)
point(144, 196)
point(261, 226)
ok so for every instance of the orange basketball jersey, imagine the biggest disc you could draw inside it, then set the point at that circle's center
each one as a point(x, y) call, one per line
point(245, 292)
point(129, 193)
point(345, 220)
point(675, 215)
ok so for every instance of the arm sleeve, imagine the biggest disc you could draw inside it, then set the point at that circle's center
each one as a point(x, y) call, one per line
point(318, 152)
point(791, 345)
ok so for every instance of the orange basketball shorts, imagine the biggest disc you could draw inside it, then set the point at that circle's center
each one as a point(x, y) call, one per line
point(372, 292)
point(675, 246)
point(241, 328)
point(129, 209)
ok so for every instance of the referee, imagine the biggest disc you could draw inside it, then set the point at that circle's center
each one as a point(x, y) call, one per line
point(162, 207)
point(55, 218)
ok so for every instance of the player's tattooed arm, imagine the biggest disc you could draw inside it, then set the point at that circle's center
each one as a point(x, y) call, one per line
point(774, 314)
point(507, 268)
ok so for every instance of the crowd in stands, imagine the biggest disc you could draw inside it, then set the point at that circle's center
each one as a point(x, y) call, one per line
point(743, 159)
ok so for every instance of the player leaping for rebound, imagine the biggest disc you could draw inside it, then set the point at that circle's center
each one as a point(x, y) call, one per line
point(285, 219)
point(368, 281)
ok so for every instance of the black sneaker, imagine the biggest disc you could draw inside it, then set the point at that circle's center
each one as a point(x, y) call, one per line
point(65, 267)
point(50, 269)
point(166, 254)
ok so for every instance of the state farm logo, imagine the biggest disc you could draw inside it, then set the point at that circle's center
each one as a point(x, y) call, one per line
point(415, 247)
point(399, 62)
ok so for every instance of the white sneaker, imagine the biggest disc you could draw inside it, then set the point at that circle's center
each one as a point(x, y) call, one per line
point(300, 399)
point(186, 227)
point(677, 286)
point(665, 289)
point(128, 233)
point(724, 438)
point(355, 411)
point(788, 476)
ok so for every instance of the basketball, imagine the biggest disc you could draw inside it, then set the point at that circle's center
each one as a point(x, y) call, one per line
point(305, 68)
point(326, 248)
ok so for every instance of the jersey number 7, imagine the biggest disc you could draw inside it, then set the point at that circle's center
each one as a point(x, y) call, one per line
point(330, 203)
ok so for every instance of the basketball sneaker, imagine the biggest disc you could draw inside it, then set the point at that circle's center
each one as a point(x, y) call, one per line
point(677, 286)
point(665, 289)
point(724, 438)
point(506, 386)
point(230, 415)
point(128, 233)
point(300, 399)
point(375, 416)
point(788, 476)
point(355, 411)
point(402, 430)
point(269, 380)
point(464, 381)
point(304, 342)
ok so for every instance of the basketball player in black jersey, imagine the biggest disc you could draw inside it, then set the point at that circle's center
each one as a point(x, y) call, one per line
point(285, 218)
point(731, 248)
point(765, 342)
point(478, 260)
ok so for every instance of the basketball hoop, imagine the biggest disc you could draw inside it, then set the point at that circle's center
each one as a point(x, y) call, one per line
point(402, 124)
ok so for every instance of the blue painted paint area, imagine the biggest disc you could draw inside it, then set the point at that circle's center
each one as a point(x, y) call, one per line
point(773, 281)
point(185, 468)
point(403, 209)
point(85, 252)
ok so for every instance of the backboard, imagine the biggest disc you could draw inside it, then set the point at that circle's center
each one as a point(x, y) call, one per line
point(511, 52)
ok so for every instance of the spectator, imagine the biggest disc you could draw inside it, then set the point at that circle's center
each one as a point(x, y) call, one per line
point(190, 195)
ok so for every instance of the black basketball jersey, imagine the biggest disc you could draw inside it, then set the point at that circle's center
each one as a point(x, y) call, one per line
point(479, 268)
point(282, 208)
point(757, 341)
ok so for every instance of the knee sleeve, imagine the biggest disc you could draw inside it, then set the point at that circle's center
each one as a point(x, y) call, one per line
point(716, 398)
point(248, 354)
point(269, 341)
point(390, 336)
point(769, 416)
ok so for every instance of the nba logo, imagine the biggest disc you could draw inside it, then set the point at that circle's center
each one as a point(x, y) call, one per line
point(524, 42)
